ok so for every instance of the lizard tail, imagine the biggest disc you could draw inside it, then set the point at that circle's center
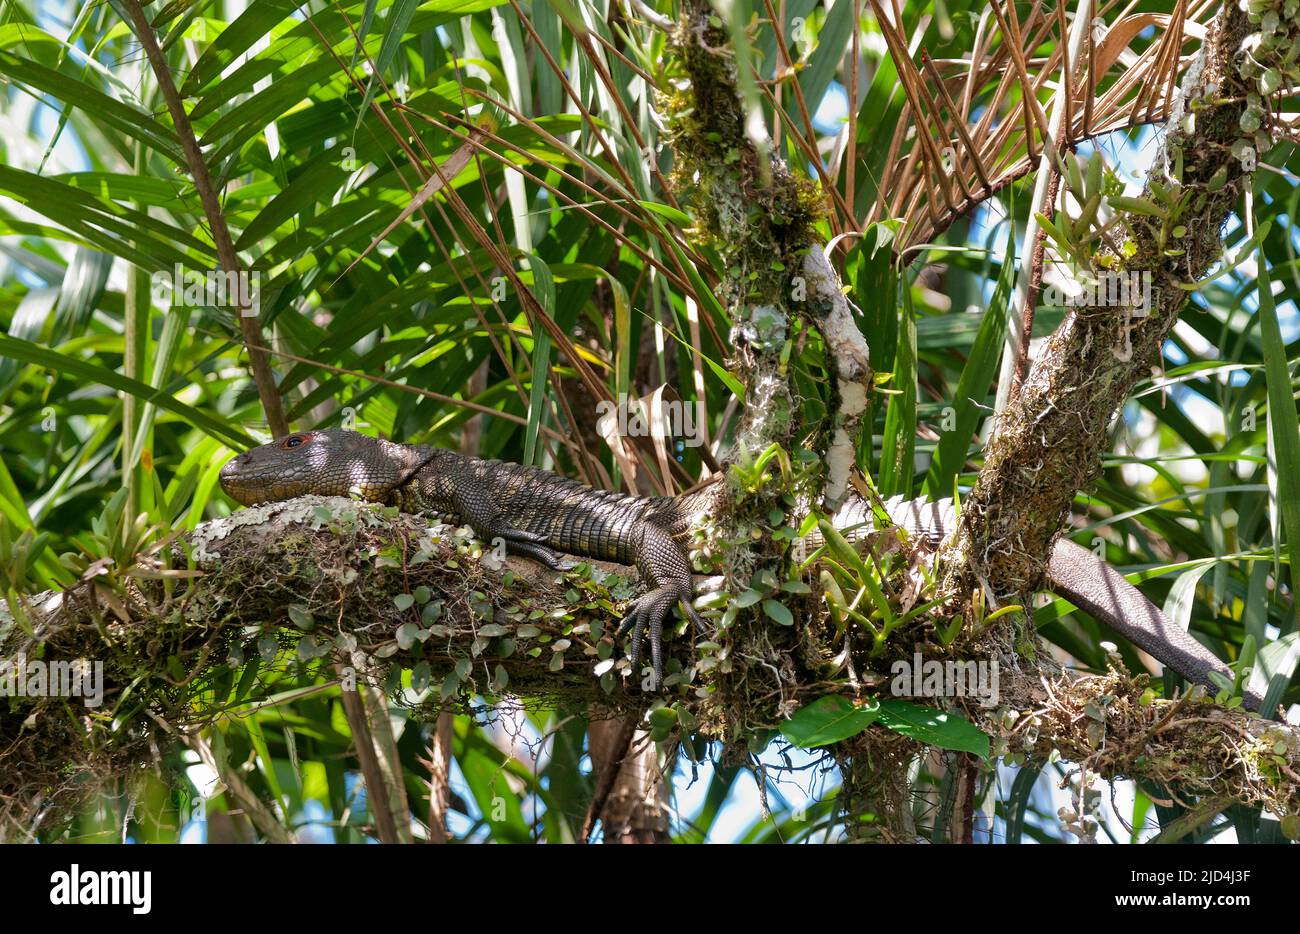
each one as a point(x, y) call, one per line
point(1093, 585)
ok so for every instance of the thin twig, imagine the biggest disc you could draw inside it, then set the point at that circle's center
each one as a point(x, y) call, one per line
point(226, 255)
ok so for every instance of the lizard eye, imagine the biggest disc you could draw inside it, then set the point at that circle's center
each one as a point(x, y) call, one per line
point(292, 442)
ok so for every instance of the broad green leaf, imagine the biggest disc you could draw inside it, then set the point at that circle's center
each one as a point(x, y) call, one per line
point(932, 727)
point(981, 368)
point(897, 454)
point(1283, 434)
point(830, 719)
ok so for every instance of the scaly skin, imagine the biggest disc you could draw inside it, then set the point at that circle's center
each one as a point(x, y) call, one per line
point(534, 512)
point(537, 513)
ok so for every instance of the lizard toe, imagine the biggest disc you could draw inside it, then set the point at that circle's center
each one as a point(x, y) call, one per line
point(536, 552)
point(630, 615)
point(634, 654)
point(519, 535)
point(656, 628)
point(645, 616)
point(691, 613)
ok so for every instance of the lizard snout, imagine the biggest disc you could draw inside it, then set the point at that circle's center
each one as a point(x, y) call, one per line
point(234, 478)
point(231, 468)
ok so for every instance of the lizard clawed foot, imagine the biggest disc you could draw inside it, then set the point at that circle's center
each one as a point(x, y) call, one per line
point(519, 542)
point(519, 535)
point(536, 552)
point(492, 529)
point(646, 615)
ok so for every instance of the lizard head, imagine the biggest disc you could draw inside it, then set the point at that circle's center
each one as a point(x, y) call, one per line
point(332, 462)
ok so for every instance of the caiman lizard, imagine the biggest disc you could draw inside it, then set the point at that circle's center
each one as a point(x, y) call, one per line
point(540, 514)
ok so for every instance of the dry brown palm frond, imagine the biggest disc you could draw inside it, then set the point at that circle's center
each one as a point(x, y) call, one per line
point(971, 126)
point(470, 234)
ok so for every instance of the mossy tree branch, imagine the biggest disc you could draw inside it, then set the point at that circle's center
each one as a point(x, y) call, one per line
point(761, 217)
point(317, 583)
point(781, 293)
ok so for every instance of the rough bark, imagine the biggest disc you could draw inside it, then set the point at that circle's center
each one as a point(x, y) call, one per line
point(632, 790)
point(1048, 444)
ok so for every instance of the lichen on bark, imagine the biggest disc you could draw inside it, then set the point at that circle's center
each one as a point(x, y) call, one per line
point(747, 205)
point(761, 217)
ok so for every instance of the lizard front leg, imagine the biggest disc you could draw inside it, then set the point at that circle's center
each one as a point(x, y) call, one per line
point(667, 571)
point(475, 504)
